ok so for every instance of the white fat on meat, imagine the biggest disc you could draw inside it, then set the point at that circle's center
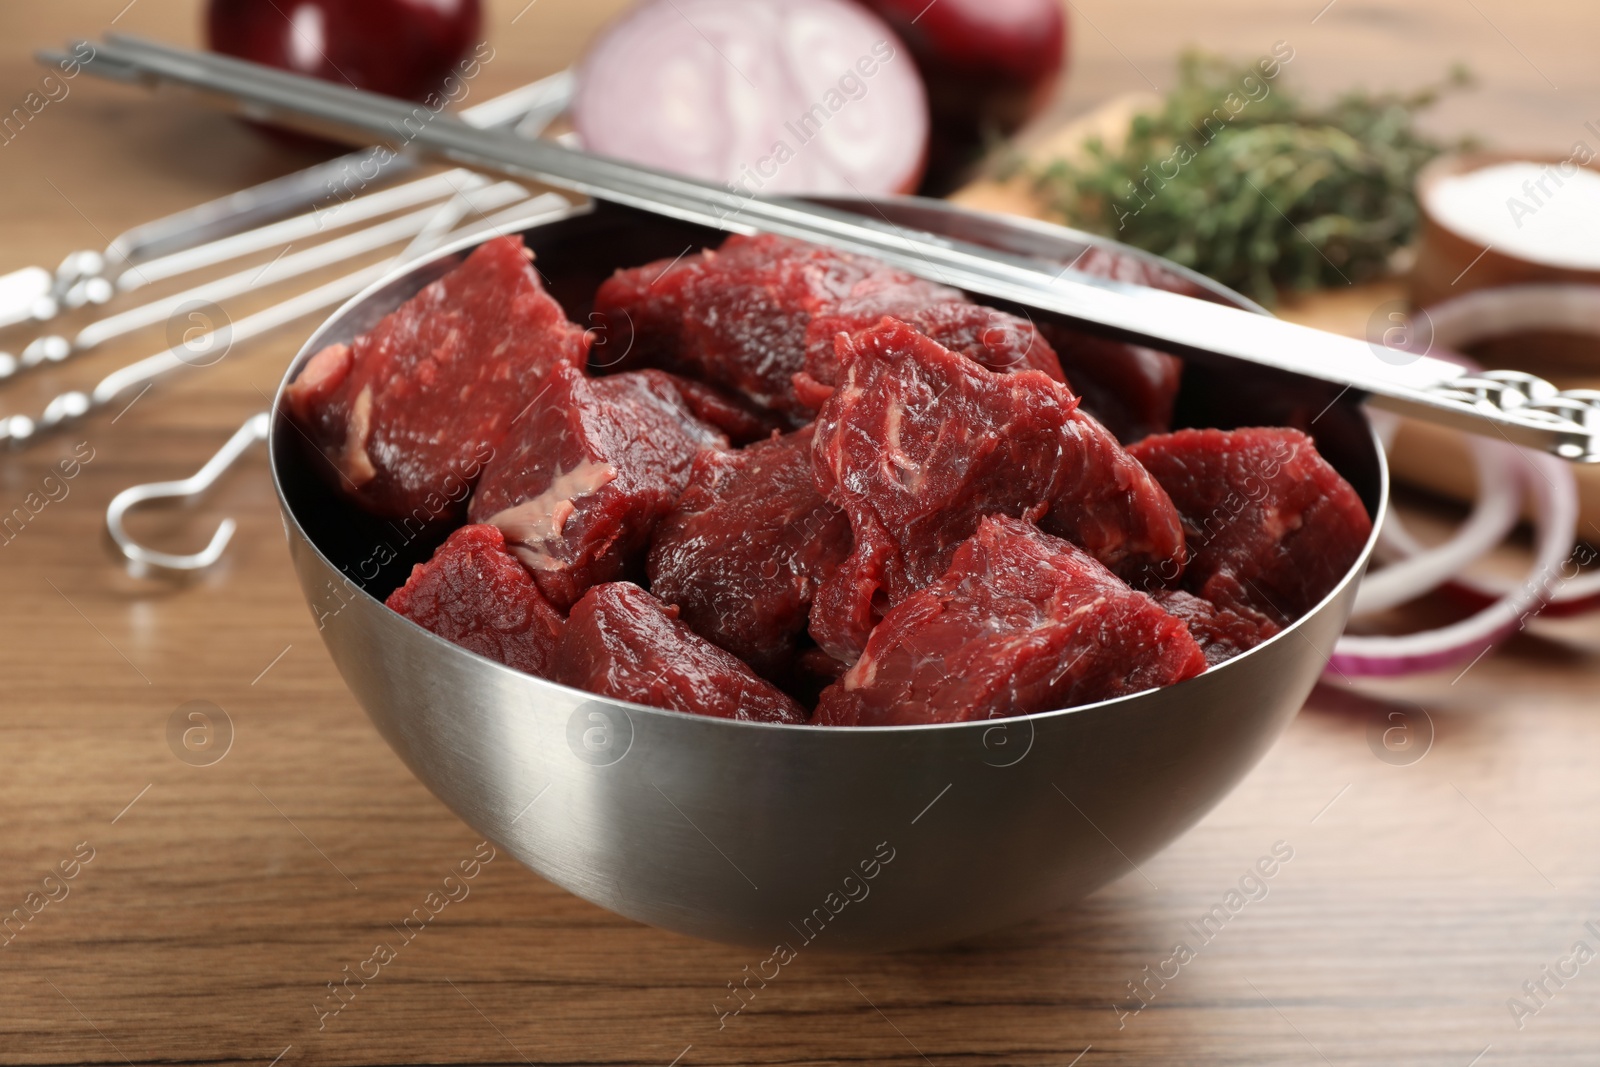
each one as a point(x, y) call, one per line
point(531, 527)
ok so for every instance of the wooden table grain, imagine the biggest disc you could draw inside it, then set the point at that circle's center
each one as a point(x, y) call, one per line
point(182, 913)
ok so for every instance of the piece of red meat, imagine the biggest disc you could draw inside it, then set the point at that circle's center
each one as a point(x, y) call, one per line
point(582, 478)
point(621, 642)
point(734, 416)
point(744, 549)
point(995, 339)
point(408, 414)
point(1022, 622)
point(1129, 388)
point(1103, 261)
point(737, 316)
point(1270, 525)
point(917, 444)
point(475, 593)
point(1222, 632)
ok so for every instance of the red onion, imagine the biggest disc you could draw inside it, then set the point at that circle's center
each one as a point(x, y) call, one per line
point(1413, 569)
point(1482, 314)
point(1553, 581)
point(771, 96)
point(1556, 501)
point(406, 48)
point(1487, 313)
point(989, 65)
point(1576, 594)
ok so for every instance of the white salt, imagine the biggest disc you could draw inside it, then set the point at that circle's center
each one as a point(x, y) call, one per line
point(1545, 212)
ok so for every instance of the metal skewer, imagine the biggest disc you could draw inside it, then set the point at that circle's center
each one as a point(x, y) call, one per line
point(89, 277)
point(531, 108)
point(54, 348)
point(143, 561)
point(1518, 407)
point(212, 345)
point(295, 228)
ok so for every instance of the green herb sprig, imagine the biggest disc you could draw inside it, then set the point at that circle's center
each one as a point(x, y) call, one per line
point(1283, 195)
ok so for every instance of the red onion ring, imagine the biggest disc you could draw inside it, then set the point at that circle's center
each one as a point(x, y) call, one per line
point(1556, 501)
point(1413, 569)
point(1487, 313)
point(1474, 317)
point(1577, 595)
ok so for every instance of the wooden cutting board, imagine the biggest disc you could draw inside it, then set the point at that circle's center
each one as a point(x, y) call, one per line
point(1424, 456)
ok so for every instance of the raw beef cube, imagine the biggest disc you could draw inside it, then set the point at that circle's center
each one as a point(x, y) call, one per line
point(582, 478)
point(918, 443)
point(995, 339)
point(1270, 525)
point(1129, 388)
point(743, 551)
point(1118, 264)
point(734, 416)
point(475, 593)
point(622, 642)
point(408, 415)
point(737, 316)
point(1021, 622)
point(1221, 632)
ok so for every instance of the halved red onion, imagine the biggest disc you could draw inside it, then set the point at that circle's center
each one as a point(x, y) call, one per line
point(770, 96)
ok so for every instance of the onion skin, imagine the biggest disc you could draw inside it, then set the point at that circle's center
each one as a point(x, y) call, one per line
point(1383, 665)
point(1558, 607)
point(1485, 314)
point(404, 48)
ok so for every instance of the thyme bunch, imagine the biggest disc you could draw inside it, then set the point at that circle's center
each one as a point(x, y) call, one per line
point(1280, 195)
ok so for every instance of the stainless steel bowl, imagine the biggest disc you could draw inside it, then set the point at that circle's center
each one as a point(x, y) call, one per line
point(871, 838)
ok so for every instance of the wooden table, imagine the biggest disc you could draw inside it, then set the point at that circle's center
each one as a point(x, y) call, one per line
point(1425, 888)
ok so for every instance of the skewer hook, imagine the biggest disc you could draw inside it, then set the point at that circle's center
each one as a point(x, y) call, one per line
point(143, 561)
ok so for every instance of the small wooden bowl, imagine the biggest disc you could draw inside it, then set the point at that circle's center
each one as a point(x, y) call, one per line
point(1449, 264)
